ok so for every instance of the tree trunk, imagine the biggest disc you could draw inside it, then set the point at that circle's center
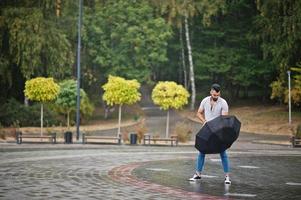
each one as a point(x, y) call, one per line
point(191, 70)
point(58, 8)
point(41, 119)
point(106, 112)
point(119, 120)
point(167, 124)
point(183, 59)
point(26, 101)
point(68, 120)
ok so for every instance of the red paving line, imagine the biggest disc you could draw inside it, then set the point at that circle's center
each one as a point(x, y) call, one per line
point(123, 174)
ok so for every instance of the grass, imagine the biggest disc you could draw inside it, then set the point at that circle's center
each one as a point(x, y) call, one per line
point(263, 119)
point(267, 119)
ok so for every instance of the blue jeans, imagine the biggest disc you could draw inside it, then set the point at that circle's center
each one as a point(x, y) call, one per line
point(201, 160)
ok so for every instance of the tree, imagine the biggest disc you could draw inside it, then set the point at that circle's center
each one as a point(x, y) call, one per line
point(179, 12)
point(120, 91)
point(176, 12)
point(128, 32)
point(35, 41)
point(169, 95)
point(66, 100)
point(42, 90)
point(278, 30)
point(296, 87)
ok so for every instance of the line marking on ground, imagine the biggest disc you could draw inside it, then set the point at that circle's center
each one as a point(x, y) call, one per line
point(150, 108)
point(292, 183)
point(208, 176)
point(240, 195)
point(158, 169)
point(248, 167)
point(215, 160)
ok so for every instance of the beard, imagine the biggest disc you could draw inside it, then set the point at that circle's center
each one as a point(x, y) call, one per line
point(214, 99)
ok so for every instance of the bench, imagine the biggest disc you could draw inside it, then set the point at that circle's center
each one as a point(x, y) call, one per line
point(296, 142)
point(20, 137)
point(101, 138)
point(173, 140)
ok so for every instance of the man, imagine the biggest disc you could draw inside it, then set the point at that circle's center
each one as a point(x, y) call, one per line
point(210, 108)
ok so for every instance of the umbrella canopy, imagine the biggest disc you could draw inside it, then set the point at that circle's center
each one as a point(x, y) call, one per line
point(218, 134)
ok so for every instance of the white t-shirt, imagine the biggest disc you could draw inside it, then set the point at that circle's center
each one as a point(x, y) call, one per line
point(218, 108)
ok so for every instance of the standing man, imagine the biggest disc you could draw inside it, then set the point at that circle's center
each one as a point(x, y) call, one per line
point(210, 108)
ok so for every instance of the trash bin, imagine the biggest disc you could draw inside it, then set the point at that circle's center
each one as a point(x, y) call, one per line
point(68, 137)
point(133, 138)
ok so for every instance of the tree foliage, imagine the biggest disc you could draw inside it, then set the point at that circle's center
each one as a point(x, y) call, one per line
point(296, 87)
point(86, 106)
point(66, 100)
point(279, 31)
point(125, 38)
point(41, 89)
point(168, 94)
point(121, 91)
point(35, 43)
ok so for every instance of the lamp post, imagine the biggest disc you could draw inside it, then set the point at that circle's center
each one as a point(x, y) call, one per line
point(289, 98)
point(78, 69)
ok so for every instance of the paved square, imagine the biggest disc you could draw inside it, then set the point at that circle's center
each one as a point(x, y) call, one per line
point(42, 171)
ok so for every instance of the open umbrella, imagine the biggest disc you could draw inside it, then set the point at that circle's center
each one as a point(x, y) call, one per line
point(218, 134)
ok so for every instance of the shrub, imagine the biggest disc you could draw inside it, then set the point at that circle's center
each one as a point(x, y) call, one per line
point(298, 132)
point(125, 136)
point(183, 131)
point(13, 112)
point(2, 133)
point(141, 130)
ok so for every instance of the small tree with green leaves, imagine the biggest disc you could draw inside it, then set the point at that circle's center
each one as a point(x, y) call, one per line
point(280, 90)
point(169, 95)
point(296, 89)
point(119, 91)
point(66, 100)
point(42, 90)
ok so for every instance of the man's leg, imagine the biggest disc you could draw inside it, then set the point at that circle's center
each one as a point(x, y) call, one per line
point(199, 167)
point(225, 163)
point(200, 163)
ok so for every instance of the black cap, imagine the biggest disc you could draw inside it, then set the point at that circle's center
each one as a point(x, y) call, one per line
point(216, 87)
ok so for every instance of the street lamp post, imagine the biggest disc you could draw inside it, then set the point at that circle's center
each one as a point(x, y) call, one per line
point(78, 69)
point(289, 98)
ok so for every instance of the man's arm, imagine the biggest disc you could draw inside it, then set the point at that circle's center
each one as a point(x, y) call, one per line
point(200, 115)
point(224, 113)
point(225, 108)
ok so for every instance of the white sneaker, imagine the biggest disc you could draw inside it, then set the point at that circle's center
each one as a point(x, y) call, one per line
point(195, 177)
point(227, 180)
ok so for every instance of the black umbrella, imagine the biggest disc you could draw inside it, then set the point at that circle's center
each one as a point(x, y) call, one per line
point(218, 134)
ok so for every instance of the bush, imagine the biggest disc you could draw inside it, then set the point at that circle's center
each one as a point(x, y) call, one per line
point(2, 133)
point(141, 130)
point(13, 112)
point(298, 132)
point(125, 136)
point(183, 131)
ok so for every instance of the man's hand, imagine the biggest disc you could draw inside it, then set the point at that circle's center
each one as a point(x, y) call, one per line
point(200, 115)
